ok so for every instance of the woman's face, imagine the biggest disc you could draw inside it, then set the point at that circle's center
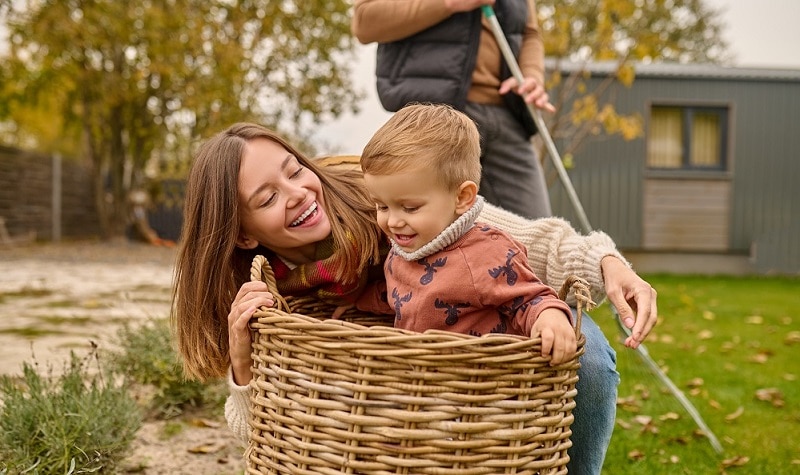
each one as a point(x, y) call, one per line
point(280, 202)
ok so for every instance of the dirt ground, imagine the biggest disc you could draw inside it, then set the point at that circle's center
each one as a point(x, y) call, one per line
point(60, 297)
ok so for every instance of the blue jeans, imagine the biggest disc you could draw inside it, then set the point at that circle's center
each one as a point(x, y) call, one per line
point(596, 402)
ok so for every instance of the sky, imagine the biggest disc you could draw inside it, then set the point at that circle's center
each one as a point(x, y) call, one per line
point(760, 33)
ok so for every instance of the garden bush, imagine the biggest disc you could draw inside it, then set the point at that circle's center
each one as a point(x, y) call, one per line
point(75, 422)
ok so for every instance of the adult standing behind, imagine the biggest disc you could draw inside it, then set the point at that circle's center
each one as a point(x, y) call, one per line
point(444, 51)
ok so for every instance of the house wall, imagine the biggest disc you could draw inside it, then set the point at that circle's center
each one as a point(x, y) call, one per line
point(764, 164)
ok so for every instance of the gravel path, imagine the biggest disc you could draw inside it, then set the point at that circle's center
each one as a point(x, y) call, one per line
point(60, 297)
point(57, 298)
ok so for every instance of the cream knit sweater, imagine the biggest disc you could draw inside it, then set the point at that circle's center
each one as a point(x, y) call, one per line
point(555, 251)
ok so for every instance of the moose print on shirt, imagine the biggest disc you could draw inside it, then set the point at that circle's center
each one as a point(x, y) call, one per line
point(389, 263)
point(452, 311)
point(507, 269)
point(501, 327)
point(398, 303)
point(511, 309)
point(430, 269)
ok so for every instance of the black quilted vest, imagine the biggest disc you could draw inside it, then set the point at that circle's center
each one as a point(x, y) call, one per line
point(435, 65)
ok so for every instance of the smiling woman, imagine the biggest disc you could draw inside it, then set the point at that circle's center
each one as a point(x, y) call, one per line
point(281, 202)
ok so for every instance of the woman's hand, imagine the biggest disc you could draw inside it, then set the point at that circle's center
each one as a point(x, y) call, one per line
point(250, 297)
point(634, 299)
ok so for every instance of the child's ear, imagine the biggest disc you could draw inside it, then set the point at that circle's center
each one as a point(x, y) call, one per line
point(244, 241)
point(467, 193)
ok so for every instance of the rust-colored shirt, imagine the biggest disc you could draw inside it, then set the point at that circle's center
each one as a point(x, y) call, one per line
point(480, 284)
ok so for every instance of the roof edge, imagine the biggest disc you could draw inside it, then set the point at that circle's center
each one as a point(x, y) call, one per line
point(678, 70)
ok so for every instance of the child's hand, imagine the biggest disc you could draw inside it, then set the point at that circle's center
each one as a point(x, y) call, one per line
point(557, 334)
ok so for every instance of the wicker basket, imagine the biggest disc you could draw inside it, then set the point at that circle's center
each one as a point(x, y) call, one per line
point(355, 395)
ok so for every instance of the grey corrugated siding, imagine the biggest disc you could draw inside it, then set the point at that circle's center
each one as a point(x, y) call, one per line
point(764, 153)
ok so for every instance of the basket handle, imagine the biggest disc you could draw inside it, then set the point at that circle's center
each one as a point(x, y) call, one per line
point(261, 270)
point(583, 297)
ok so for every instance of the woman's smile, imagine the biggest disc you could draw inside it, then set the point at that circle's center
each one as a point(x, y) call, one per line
point(310, 212)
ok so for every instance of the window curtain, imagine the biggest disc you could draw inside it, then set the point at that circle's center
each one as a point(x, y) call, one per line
point(665, 142)
point(705, 151)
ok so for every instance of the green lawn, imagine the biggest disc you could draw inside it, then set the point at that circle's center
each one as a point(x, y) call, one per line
point(732, 345)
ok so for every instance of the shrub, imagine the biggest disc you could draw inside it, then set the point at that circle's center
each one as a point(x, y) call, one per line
point(145, 355)
point(73, 423)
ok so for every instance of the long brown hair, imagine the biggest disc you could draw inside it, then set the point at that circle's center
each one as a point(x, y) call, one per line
point(210, 268)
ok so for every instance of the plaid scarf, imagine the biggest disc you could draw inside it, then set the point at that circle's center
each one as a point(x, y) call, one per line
point(317, 278)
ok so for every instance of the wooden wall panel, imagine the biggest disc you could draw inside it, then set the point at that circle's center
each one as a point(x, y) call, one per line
point(687, 215)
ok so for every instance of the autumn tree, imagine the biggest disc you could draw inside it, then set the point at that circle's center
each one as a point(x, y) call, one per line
point(127, 85)
point(622, 32)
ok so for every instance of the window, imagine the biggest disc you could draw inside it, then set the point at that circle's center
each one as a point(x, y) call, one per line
point(687, 138)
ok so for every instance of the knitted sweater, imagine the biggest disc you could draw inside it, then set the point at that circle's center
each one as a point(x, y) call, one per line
point(472, 278)
point(555, 251)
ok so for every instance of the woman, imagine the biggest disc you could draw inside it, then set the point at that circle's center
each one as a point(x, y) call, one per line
point(250, 192)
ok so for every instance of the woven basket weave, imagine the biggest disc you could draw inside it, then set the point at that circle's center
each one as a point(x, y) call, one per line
point(355, 395)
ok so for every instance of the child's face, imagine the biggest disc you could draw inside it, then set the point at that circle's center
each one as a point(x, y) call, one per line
point(280, 202)
point(412, 208)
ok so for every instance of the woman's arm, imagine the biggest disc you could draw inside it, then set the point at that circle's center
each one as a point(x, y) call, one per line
point(556, 251)
point(237, 408)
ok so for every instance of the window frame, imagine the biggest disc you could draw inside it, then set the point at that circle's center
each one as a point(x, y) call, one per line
point(688, 110)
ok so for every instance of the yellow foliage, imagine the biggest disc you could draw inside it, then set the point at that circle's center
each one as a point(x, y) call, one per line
point(626, 74)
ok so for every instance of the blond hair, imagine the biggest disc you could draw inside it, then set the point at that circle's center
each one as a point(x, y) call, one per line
point(210, 268)
point(430, 136)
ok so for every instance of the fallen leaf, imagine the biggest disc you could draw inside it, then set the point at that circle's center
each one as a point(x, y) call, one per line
point(700, 349)
point(683, 440)
point(761, 357)
point(668, 339)
point(708, 315)
point(201, 422)
point(705, 335)
point(790, 377)
point(670, 416)
point(623, 424)
point(643, 420)
point(754, 319)
point(772, 395)
point(737, 461)
point(647, 424)
point(674, 459)
point(735, 414)
point(204, 449)
point(630, 404)
point(727, 346)
point(792, 338)
point(636, 455)
point(644, 391)
point(714, 404)
point(695, 382)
